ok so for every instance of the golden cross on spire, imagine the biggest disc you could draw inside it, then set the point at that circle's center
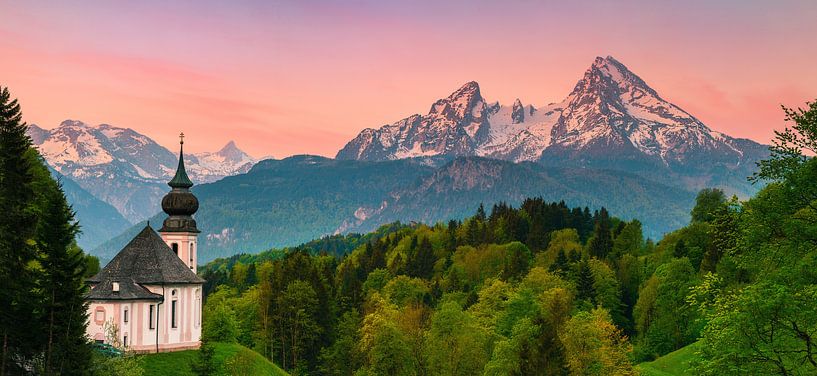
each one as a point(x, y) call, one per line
point(181, 138)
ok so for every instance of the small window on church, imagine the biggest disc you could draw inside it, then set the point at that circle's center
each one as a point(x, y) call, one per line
point(125, 341)
point(99, 315)
point(191, 254)
point(175, 247)
point(151, 322)
point(173, 314)
point(125, 315)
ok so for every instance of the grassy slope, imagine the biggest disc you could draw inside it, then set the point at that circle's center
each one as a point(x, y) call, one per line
point(674, 363)
point(178, 363)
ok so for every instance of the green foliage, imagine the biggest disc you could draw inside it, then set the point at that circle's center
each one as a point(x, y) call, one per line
point(708, 202)
point(126, 365)
point(791, 145)
point(404, 301)
point(204, 365)
point(220, 324)
point(664, 320)
point(455, 344)
point(594, 346)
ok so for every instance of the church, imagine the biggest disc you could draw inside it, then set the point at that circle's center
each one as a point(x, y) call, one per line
point(149, 292)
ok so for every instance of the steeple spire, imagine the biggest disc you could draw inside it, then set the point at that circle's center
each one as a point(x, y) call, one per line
point(181, 180)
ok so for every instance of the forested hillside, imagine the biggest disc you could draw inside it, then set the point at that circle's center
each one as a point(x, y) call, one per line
point(510, 290)
point(546, 289)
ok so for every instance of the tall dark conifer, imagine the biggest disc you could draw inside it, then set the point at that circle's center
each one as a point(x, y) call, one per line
point(17, 229)
point(601, 243)
point(422, 264)
point(584, 283)
point(62, 286)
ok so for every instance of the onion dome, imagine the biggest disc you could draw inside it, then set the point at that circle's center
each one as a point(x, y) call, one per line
point(180, 204)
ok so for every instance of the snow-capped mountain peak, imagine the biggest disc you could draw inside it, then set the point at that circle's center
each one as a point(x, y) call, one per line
point(229, 160)
point(465, 101)
point(611, 113)
point(112, 162)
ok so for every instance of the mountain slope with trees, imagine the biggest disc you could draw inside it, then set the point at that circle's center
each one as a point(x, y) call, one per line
point(287, 202)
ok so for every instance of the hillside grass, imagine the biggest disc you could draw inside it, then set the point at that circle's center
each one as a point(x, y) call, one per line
point(674, 363)
point(229, 359)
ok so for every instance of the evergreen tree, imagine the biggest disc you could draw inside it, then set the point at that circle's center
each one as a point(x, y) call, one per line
point(422, 264)
point(17, 230)
point(378, 257)
point(601, 243)
point(252, 277)
point(561, 264)
point(481, 213)
point(584, 283)
point(62, 285)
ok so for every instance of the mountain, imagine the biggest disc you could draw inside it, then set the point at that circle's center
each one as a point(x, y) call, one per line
point(98, 220)
point(124, 168)
point(612, 119)
point(291, 201)
point(457, 188)
point(286, 202)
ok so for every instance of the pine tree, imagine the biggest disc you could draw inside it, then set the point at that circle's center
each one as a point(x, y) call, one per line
point(17, 228)
point(422, 264)
point(601, 243)
point(561, 263)
point(481, 213)
point(584, 283)
point(378, 258)
point(62, 285)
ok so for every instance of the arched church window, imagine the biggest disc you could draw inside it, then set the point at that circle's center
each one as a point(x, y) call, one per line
point(175, 247)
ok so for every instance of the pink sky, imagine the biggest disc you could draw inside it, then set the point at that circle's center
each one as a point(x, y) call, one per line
point(283, 78)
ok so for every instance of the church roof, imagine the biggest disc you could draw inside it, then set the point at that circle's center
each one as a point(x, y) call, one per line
point(128, 290)
point(146, 260)
point(180, 180)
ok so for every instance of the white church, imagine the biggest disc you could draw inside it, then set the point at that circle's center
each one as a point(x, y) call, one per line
point(150, 291)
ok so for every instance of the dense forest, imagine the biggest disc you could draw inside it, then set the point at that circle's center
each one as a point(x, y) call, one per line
point(545, 289)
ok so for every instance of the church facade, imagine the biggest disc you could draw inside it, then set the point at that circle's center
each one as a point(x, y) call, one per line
point(148, 298)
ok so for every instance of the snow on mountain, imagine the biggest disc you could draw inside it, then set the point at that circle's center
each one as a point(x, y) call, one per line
point(454, 125)
point(610, 112)
point(124, 168)
point(230, 160)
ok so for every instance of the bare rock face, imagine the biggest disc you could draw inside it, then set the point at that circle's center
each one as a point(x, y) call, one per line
point(518, 112)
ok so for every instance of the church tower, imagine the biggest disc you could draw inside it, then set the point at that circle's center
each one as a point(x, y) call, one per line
point(179, 229)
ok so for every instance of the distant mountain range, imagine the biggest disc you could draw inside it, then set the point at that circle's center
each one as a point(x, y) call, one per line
point(99, 221)
point(287, 202)
point(612, 119)
point(124, 168)
point(613, 142)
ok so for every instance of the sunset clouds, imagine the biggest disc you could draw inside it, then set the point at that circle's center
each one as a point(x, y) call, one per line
point(284, 78)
